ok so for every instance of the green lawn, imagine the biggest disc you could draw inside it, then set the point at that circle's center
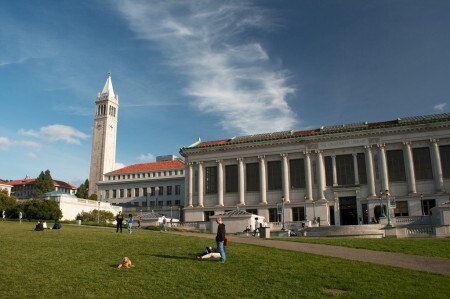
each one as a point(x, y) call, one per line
point(433, 247)
point(80, 262)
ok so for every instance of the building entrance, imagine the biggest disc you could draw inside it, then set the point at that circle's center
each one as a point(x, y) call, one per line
point(348, 211)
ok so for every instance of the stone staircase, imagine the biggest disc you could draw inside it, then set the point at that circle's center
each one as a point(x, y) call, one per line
point(355, 231)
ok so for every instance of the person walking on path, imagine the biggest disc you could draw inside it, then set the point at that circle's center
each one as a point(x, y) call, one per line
point(220, 239)
point(119, 220)
point(130, 223)
point(256, 227)
point(163, 223)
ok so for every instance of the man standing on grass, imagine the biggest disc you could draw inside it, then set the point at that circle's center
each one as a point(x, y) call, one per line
point(3, 215)
point(220, 238)
point(119, 220)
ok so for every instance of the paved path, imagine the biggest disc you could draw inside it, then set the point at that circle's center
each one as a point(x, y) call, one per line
point(415, 262)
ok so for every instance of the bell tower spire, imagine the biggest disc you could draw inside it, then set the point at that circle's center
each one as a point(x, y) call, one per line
point(103, 155)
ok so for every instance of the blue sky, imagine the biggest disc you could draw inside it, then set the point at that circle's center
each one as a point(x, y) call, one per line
point(208, 69)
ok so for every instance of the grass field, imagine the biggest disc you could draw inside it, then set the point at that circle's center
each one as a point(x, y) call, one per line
point(80, 262)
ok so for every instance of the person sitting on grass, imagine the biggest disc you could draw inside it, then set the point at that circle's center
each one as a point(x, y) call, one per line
point(39, 226)
point(57, 225)
point(208, 253)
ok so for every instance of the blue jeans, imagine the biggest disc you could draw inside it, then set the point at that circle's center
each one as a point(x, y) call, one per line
point(130, 225)
point(223, 251)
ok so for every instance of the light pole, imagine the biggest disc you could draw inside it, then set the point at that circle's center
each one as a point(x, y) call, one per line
point(421, 202)
point(282, 212)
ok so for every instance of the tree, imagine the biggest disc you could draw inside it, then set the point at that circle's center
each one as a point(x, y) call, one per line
point(94, 216)
point(41, 210)
point(83, 190)
point(7, 203)
point(44, 183)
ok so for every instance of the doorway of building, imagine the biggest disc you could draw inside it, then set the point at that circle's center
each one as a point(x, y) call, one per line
point(348, 211)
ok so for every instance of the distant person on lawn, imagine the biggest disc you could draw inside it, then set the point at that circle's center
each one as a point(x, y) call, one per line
point(119, 220)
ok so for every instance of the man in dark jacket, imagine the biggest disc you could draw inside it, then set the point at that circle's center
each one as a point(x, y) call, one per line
point(119, 220)
point(220, 238)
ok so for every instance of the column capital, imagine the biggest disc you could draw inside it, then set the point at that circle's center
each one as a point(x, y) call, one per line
point(191, 163)
point(306, 153)
point(381, 145)
point(199, 162)
point(407, 143)
point(318, 151)
point(219, 161)
point(284, 155)
point(367, 147)
point(434, 140)
point(240, 158)
point(262, 157)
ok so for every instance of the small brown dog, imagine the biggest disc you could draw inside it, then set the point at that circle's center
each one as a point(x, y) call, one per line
point(126, 262)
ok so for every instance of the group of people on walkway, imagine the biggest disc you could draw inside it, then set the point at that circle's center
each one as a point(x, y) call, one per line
point(119, 224)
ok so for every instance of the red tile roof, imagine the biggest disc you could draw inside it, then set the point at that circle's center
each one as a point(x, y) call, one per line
point(31, 181)
point(152, 166)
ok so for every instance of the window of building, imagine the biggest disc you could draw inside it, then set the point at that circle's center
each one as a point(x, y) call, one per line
point(208, 214)
point(170, 173)
point(298, 213)
point(122, 193)
point(252, 176)
point(427, 204)
point(345, 170)
point(252, 211)
point(211, 179)
point(169, 203)
point(181, 172)
point(231, 178)
point(107, 193)
point(152, 191)
point(129, 192)
point(328, 164)
point(169, 190)
point(401, 209)
point(274, 179)
point(177, 189)
point(114, 195)
point(161, 190)
point(362, 172)
point(152, 203)
point(136, 192)
point(177, 202)
point(273, 216)
point(145, 191)
point(297, 173)
point(444, 151)
point(422, 163)
point(160, 203)
point(396, 166)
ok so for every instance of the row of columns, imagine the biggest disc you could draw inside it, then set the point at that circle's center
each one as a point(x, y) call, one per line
point(321, 178)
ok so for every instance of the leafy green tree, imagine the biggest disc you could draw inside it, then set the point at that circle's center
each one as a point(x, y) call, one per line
point(93, 197)
point(95, 216)
point(41, 209)
point(83, 190)
point(7, 203)
point(44, 183)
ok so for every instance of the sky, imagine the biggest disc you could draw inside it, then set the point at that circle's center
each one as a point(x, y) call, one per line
point(212, 70)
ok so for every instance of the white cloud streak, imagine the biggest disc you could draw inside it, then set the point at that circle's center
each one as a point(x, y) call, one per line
point(147, 158)
point(228, 76)
point(440, 107)
point(54, 133)
point(6, 143)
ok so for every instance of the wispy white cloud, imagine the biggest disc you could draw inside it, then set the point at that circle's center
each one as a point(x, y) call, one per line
point(228, 76)
point(440, 107)
point(119, 165)
point(5, 143)
point(147, 158)
point(31, 155)
point(54, 133)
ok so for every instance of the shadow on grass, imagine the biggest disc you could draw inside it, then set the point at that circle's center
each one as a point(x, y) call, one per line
point(174, 257)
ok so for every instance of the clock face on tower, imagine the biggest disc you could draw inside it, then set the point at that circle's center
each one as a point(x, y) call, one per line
point(99, 125)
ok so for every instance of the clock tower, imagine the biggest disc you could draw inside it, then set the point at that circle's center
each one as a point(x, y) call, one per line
point(103, 156)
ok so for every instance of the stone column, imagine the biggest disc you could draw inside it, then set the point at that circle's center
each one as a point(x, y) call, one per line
point(370, 171)
point(321, 175)
point(190, 183)
point(355, 168)
point(241, 185)
point(200, 184)
point(285, 177)
point(262, 180)
point(436, 164)
point(308, 177)
point(333, 165)
point(383, 167)
point(219, 183)
point(409, 163)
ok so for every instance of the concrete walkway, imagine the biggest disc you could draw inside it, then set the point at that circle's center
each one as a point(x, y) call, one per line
point(415, 262)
